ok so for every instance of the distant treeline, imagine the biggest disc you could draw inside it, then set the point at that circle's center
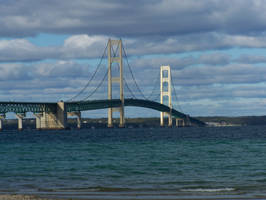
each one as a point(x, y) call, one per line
point(243, 120)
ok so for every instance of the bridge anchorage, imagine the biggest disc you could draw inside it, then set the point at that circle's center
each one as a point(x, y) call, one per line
point(54, 115)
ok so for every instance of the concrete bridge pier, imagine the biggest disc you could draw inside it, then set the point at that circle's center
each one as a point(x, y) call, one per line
point(20, 117)
point(180, 122)
point(2, 116)
point(55, 120)
point(38, 120)
point(170, 120)
point(78, 115)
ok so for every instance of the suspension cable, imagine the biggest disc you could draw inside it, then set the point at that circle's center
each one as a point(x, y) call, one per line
point(154, 86)
point(130, 91)
point(95, 89)
point(132, 74)
point(155, 98)
point(175, 94)
point(94, 74)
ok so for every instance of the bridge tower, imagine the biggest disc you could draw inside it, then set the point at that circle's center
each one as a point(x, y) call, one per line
point(113, 58)
point(165, 91)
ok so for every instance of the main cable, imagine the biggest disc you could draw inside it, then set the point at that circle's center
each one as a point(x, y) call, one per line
point(94, 74)
point(132, 74)
point(99, 85)
point(130, 91)
point(154, 86)
point(175, 94)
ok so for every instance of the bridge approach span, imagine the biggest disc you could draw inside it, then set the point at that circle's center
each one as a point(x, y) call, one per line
point(23, 107)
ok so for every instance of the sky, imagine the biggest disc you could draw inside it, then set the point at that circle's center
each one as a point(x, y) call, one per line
point(49, 50)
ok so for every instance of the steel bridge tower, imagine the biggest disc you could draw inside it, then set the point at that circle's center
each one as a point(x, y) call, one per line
point(113, 58)
point(165, 91)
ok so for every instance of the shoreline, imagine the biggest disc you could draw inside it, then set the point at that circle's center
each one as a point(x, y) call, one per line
point(36, 197)
point(22, 197)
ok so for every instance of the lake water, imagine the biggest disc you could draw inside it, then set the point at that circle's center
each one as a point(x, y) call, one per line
point(162, 163)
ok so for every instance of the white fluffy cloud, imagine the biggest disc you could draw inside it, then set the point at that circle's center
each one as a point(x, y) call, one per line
point(85, 47)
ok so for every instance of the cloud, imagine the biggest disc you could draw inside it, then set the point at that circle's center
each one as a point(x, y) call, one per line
point(131, 18)
point(22, 50)
point(251, 59)
point(86, 47)
point(13, 72)
point(228, 74)
point(83, 46)
point(191, 36)
point(61, 69)
point(74, 47)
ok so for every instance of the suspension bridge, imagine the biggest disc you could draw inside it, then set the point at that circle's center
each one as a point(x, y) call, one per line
point(122, 92)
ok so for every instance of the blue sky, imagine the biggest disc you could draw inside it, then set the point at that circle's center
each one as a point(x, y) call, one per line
point(50, 48)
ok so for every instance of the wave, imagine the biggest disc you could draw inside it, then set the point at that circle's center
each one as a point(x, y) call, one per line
point(208, 190)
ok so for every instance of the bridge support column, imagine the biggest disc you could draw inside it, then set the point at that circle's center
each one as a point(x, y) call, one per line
point(38, 120)
point(79, 121)
point(20, 117)
point(177, 122)
point(183, 124)
point(180, 122)
point(110, 118)
point(55, 120)
point(2, 116)
point(162, 119)
point(170, 120)
point(78, 115)
point(113, 58)
point(165, 91)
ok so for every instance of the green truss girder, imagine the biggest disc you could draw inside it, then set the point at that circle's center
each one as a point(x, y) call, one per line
point(23, 107)
point(92, 105)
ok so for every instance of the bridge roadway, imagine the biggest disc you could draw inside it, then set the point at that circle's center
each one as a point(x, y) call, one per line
point(39, 107)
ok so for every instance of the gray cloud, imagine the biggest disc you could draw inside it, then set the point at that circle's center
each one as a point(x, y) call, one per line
point(229, 74)
point(131, 18)
point(251, 59)
point(80, 46)
point(85, 47)
point(233, 107)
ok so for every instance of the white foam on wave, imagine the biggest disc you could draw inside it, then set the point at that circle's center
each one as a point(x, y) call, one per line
point(208, 190)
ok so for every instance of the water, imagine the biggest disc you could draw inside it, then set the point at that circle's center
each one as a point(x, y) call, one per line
point(162, 163)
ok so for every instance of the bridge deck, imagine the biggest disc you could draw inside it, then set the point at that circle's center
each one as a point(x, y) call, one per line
point(35, 107)
point(100, 104)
